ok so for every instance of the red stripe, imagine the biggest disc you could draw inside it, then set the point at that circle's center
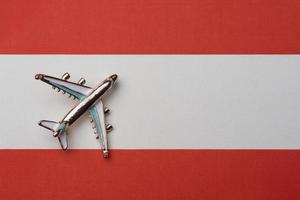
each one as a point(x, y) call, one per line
point(150, 27)
point(150, 174)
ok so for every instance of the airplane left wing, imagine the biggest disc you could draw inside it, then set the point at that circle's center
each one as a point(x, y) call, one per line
point(76, 90)
point(97, 114)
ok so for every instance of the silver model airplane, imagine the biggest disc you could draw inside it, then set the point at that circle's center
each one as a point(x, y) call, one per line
point(89, 100)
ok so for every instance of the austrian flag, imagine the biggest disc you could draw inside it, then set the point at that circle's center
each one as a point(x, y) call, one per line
point(189, 99)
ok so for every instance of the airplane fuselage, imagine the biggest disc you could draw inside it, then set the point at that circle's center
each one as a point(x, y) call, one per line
point(87, 102)
point(90, 101)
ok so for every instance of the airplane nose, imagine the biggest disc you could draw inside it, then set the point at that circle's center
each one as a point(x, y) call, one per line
point(114, 77)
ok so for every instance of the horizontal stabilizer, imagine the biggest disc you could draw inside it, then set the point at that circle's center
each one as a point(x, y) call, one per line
point(59, 131)
point(50, 125)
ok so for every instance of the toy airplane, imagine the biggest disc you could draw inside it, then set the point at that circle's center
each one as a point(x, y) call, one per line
point(89, 100)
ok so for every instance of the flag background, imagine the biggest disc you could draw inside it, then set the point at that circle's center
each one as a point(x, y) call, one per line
point(150, 27)
point(237, 137)
point(186, 127)
point(160, 102)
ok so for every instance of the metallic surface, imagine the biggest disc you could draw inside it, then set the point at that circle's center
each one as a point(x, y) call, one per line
point(66, 76)
point(106, 110)
point(109, 127)
point(89, 100)
point(81, 81)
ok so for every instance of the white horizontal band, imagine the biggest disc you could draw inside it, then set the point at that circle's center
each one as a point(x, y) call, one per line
point(161, 102)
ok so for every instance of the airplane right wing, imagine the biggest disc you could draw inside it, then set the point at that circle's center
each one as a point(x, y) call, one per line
point(97, 114)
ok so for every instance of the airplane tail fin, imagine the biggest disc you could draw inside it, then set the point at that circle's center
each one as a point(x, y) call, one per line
point(59, 131)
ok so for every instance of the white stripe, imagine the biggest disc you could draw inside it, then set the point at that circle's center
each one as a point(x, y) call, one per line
point(161, 102)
